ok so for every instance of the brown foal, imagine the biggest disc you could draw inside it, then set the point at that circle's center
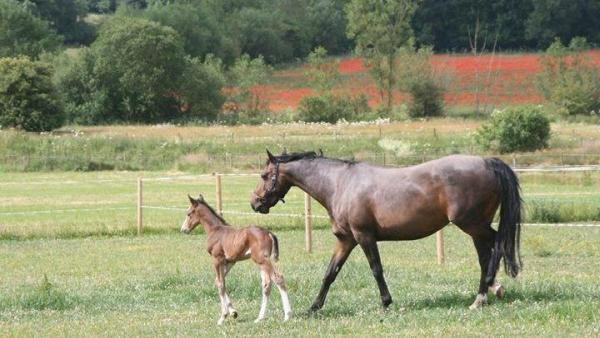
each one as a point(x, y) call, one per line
point(228, 245)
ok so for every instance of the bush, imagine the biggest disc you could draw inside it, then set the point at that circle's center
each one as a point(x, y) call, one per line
point(28, 98)
point(427, 99)
point(569, 79)
point(417, 77)
point(515, 129)
point(331, 108)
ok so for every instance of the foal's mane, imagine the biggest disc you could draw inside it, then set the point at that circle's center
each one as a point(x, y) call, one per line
point(213, 211)
point(310, 155)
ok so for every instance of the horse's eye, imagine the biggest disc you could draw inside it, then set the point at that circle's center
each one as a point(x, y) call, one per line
point(264, 176)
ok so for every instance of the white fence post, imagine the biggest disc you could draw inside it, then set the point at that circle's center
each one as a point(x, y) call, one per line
point(139, 207)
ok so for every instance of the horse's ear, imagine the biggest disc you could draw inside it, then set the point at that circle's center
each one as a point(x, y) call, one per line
point(192, 200)
point(321, 152)
point(284, 151)
point(271, 157)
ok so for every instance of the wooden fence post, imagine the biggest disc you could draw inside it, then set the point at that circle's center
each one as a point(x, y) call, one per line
point(307, 223)
point(219, 196)
point(439, 241)
point(139, 207)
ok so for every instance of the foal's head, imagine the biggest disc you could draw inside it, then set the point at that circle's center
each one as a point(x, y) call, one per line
point(195, 214)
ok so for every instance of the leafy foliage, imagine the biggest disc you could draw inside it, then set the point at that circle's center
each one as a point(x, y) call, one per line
point(417, 77)
point(569, 80)
point(28, 99)
point(137, 72)
point(379, 30)
point(245, 74)
point(331, 108)
point(23, 33)
point(322, 74)
point(515, 129)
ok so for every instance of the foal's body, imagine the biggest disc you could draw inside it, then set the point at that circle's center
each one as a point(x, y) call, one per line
point(228, 245)
point(368, 203)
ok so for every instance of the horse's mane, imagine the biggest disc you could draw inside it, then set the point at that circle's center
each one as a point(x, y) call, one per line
point(285, 158)
point(213, 211)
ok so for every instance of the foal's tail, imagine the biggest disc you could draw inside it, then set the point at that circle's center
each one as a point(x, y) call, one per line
point(509, 229)
point(274, 247)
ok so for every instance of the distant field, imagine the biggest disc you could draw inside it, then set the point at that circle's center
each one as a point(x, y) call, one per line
point(206, 149)
point(490, 80)
point(65, 205)
point(164, 285)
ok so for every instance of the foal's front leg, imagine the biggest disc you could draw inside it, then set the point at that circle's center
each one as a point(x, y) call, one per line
point(230, 309)
point(266, 290)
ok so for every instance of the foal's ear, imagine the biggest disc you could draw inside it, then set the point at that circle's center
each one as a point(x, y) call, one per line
point(192, 200)
point(200, 198)
point(271, 157)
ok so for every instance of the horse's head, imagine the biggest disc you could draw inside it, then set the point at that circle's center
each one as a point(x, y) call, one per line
point(194, 214)
point(271, 187)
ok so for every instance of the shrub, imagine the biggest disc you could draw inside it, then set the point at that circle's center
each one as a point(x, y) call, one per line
point(420, 80)
point(427, 99)
point(515, 129)
point(245, 74)
point(331, 108)
point(28, 98)
point(569, 80)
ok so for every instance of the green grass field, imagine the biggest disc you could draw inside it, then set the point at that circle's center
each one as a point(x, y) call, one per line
point(72, 266)
point(163, 285)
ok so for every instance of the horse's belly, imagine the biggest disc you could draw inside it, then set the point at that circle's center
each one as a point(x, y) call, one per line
point(409, 226)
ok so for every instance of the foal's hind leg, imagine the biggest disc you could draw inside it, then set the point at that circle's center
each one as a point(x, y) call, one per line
point(280, 283)
point(230, 309)
point(266, 290)
point(220, 282)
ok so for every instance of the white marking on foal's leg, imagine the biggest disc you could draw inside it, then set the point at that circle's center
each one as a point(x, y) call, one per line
point(479, 302)
point(266, 289)
point(279, 282)
point(497, 289)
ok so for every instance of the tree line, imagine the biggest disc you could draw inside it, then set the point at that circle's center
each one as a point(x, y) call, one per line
point(150, 61)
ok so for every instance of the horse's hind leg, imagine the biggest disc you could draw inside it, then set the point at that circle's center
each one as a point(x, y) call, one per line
point(484, 242)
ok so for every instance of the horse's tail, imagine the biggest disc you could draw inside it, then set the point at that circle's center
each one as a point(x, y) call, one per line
point(274, 247)
point(508, 238)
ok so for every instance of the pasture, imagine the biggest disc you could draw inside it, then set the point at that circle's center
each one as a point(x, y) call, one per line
point(72, 266)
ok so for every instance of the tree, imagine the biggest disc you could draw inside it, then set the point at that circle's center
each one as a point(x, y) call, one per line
point(66, 16)
point(327, 23)
point(323, 74)
point(380, 28)
point(197, 25)
point(245, 74)
point(201, 96)
point(22, 33)
point(28, 99)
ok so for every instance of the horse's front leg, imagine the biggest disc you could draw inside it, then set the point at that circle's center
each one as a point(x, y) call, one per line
point(369, 245)
point(343, 248)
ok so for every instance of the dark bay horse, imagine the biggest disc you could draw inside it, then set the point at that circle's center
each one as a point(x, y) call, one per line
point(368, 203)
point(228, 245)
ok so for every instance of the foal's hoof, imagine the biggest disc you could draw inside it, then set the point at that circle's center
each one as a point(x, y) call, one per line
point(233, 314)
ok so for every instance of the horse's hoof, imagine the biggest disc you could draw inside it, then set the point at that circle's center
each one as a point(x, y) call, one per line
point(499, 292)
point(386, 303)
point(233, 314)
point(314, 308)
point(479, 302)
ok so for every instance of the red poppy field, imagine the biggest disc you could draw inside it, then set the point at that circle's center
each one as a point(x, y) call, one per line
point(493, 80)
